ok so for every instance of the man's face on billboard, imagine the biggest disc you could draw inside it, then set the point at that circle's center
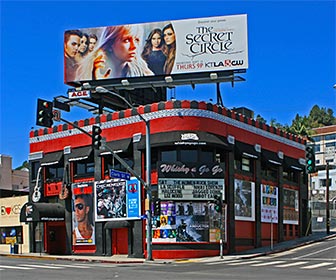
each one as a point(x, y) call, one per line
point(72, 45)
point(81, 210)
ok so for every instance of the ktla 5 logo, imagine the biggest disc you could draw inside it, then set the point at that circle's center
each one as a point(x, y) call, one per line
point(8, 210)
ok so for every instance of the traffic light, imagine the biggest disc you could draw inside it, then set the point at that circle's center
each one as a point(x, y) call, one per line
point(96, 137)
point(218, 203)
point(44, 114)
point(310, 159)
point(157, 207)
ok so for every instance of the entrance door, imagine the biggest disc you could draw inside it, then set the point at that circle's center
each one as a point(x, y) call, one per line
point(120, 241)
point(55, 238)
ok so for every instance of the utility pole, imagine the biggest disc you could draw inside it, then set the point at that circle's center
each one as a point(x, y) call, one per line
point(327, 199)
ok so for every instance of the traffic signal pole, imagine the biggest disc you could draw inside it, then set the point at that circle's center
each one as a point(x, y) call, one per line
point(327, 199)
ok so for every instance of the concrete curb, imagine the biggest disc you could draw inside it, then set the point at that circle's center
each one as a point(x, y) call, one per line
point(125, 260)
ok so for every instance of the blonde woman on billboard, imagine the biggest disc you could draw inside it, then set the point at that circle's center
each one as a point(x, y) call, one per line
point(169, 38)
point(153, 52)
point(117, 55)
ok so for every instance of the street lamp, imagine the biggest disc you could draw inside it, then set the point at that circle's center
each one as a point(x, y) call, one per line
point(101, 89)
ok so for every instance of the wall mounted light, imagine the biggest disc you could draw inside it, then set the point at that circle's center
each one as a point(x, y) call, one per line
point(169, 79)
point(213, 76)
point(125, 82)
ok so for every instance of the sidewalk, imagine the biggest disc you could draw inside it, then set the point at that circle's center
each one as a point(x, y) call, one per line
point(278, 247)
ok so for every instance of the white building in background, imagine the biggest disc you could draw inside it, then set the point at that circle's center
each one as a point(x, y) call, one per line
point(12, 180)
point(325, 152)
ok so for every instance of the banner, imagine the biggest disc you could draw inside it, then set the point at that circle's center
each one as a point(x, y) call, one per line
point(156, 49)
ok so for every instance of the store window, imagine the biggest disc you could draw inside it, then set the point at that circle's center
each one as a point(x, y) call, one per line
point(55, 172)
point(188, 155)
point(169, 155)
point(243, 163)
point(269, 171)
point(11, 235)
point(84, 168)
point(291, 175)
point(111, 162)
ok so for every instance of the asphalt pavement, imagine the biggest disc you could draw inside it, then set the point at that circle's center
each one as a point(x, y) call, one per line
point(261, 251)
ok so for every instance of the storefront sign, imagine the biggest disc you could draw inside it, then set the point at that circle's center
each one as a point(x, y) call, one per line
point(189, 189)
point(190, 170)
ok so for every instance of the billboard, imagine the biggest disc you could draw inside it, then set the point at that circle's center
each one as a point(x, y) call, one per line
point(156, 49)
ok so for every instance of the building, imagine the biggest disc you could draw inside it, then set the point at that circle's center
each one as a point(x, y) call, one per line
point(14, 186)
point(198, 151)
point(12, 180)
point(325, 152)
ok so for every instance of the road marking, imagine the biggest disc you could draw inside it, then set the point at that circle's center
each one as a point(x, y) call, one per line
point(333, 268)
point(70, 265)
point(316, 252)
point(222, 262)
point(14, 267)
point(41, 266)
point(316, 265)
point(267, 263)
point(290, 264)
point(243, 263)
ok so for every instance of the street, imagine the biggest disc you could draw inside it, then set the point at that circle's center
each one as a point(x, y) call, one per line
point(314, 261)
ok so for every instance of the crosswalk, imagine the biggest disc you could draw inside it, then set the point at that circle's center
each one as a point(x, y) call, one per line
point(51, 266)
point(269, 262)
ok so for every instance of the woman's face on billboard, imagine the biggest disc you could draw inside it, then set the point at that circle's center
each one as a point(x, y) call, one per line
point(156, 40)
point(169, 36)
point(126, 45)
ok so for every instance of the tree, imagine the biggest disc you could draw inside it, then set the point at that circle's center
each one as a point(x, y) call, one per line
point(25, 164)
point(303, 125)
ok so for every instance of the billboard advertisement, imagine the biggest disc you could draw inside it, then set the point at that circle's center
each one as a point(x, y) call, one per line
point(117, 199)
point(156, 49)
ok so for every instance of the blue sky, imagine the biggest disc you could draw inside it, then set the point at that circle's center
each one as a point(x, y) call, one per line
point(291, 56)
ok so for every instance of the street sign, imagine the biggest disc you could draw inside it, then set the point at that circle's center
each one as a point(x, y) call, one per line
point(56, 115)
point(119, 174)
point(76, 94)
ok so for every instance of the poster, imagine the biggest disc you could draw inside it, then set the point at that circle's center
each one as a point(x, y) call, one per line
point(187, 222)
point(291, 206)
point(82, 215)
point(269, 203)
point(244, 200)
point(117, 199)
